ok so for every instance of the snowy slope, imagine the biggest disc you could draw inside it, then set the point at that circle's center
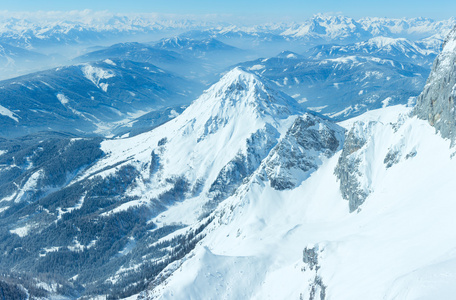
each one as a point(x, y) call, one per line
point(125, 209)
point(374, 221)
point(388, 250)
point(234, 117)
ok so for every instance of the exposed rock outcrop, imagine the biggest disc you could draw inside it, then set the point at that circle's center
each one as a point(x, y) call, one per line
point(347, 169)
point(437, 101)
point(309, 140)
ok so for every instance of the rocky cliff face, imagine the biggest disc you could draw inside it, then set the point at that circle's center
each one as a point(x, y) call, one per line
point(307, 142)
point(348, 168)
point(436, 102)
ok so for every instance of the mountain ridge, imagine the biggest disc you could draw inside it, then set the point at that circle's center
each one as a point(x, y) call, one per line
point(159, 186)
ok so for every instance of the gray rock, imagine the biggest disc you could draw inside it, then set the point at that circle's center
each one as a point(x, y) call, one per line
point(243, 165)
point(437, 101)
point(300, 152)
point(392, 158)
point(310, 257)
point(411, 154)
point(347, 171)
point(317, 288)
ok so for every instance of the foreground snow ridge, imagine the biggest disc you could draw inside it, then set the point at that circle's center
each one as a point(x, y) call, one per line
point(303, 243)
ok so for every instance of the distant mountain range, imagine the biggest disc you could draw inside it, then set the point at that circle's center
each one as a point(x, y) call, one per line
point(15, 61)
point(399, 49)
point(62, 39)
point(344, 86)
point(339, 81)
point(190, 58)
point(312, 160)
point(39, 31)
point(89, 98)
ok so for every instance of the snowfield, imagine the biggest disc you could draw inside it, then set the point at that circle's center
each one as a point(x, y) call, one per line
point(387, 250)
point(8, 113)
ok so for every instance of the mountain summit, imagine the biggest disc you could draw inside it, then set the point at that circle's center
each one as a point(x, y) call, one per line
point(216, 142)
point(239, 93)
point(176, 174)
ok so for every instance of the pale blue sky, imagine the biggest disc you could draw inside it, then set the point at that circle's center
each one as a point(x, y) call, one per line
point(437, 9)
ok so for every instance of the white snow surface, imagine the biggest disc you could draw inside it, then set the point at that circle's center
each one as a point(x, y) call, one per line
point(256, 67)
point(8, 113)
point(29, 185)
point(400, 245)
point(110, 62)
point(97, 75)
point(21, 231)
point(62, 98)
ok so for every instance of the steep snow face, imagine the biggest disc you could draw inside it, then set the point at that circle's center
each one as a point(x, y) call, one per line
point(239, 89)
point(363, 159)
point(437, 101)
point(303, 242)
point(206, 151)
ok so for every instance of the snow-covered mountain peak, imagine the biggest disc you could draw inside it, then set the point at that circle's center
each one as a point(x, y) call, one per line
point(234, 82)
point(333, 19)
point(237, 75)
point(383, 41)
point(328, 27)
point(176, 42)
point(390, 45)
point(240, 92)
point(217, 141)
